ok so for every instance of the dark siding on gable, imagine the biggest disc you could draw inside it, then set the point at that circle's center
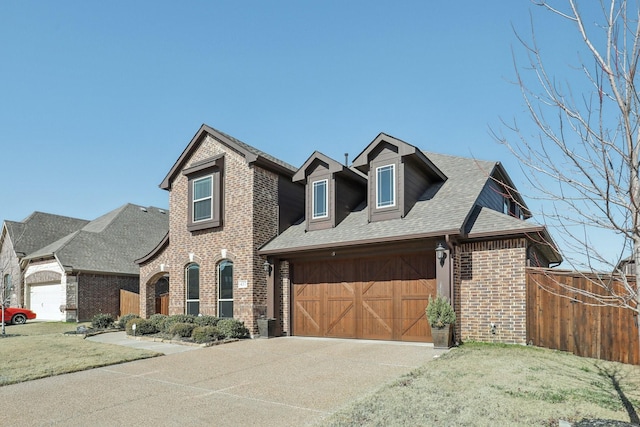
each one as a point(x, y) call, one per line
point(349, 194)
point(291, 202)
point(415, 183)
point(492, 196)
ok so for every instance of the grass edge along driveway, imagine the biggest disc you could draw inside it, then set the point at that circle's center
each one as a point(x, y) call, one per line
point(42, 349)
point(494, 385)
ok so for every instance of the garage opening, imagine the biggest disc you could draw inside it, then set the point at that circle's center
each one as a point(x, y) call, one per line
point(45, 300)
point(381, 298)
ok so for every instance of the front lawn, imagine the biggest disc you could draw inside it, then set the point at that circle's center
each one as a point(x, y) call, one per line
point(499, 385)
point(42, 349)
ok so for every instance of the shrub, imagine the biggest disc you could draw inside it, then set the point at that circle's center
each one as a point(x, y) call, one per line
point(232, 328)
point(206, 320)
point(122, 322)
point(143, 327)
point(158, 320)
point(183, 330)
point(176, 318)
point(202, 334)
point(102, 321)
point(439, 312)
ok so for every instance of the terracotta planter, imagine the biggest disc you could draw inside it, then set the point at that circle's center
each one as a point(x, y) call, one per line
point(442, 337)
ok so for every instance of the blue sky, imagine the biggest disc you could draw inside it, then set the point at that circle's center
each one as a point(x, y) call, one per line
point(100, 98)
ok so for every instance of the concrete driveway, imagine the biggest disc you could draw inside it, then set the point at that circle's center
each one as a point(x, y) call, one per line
point(287, 381)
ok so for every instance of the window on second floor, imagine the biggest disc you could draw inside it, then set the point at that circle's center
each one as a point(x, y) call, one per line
point(203, 199)
point(320, 199)
point(205, 193)
point(385, 186)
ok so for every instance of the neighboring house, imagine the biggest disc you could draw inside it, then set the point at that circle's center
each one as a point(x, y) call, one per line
point(337, 251)
point(627, 266)
point(21, 238)
point(81, 274)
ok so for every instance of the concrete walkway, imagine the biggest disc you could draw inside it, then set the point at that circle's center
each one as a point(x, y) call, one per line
point(287, 381)
point(120, 338)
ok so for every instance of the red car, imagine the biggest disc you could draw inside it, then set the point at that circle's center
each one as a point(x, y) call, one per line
point(17, 316)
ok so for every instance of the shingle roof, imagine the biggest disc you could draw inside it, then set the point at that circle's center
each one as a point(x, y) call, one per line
point(251, 154)
point(40, 229)
point(443, 209)
point(111, 243)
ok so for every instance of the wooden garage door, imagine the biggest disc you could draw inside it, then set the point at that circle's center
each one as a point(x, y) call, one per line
point(371, 298)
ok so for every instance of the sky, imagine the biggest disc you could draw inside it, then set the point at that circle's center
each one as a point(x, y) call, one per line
point(99, 99)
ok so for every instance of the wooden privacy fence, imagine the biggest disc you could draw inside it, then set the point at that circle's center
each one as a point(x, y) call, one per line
point(560, 319)
point(129, 302)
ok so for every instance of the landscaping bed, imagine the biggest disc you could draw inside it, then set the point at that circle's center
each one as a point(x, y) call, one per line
point(180, 328)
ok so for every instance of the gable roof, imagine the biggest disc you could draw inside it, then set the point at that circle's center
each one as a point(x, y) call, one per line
point(251, 154)
point(404, 149)
point(332, 166)
point(445, 208)
point(111, 243)
point(40, 229)
point(442, 209)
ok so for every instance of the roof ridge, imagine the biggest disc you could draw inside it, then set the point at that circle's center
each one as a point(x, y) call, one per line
point(103, 222)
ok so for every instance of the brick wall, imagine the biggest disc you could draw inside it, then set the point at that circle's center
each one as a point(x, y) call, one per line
point(490, 288)
point(9, 266)
point(250, 219)
point(99, 293)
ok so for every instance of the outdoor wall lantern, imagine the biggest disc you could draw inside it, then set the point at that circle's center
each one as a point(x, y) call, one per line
point(267, 267)
point(441, 254)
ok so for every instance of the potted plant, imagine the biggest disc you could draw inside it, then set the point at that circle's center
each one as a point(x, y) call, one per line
point(441, 316)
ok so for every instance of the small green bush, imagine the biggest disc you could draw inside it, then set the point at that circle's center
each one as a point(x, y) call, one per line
point(122, 322)
point(158, 320)
point(183, 330)
point(439, 312)
point(206, 320)
point(143, 327)
point(176, 318)
point(232, 328)
point(202, 334)
point(102, 321)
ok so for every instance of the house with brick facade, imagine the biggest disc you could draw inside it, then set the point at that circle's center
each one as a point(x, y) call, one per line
point(227, 199)
point(20, 238)
point(348, 251)
point(80, 274)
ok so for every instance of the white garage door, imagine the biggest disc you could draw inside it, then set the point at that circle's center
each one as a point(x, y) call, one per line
point(46, 301)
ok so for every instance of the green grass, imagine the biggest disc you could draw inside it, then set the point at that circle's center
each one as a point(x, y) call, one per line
point(487, 385)
point(37, 350)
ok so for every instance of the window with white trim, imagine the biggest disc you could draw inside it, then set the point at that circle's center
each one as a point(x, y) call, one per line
point(225, 289)
point(385, 186)
point(320, 199)
point(192, 274)
point(203, 198)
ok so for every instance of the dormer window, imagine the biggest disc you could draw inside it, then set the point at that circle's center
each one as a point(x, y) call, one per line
point(332, 191)
point(385, 186)
point(320, 199)
point(203, 199)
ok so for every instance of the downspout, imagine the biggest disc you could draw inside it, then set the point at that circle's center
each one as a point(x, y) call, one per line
point(447, 239)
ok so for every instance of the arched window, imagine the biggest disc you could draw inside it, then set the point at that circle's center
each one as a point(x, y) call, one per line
point(192, 274)
point(225, 289)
